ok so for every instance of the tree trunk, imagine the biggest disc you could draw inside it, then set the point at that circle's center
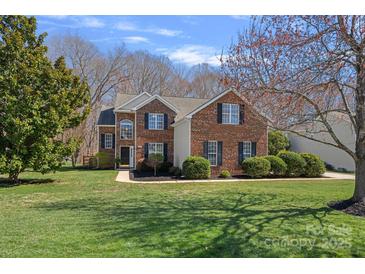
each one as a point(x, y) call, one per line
point(359, 193)
point(14, 177)
point(155, 170)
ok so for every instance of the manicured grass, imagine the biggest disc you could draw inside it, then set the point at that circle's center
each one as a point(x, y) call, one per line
point(80, 213)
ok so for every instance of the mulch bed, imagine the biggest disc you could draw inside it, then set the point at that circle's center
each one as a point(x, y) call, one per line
point(161, 176)
point(349, 207)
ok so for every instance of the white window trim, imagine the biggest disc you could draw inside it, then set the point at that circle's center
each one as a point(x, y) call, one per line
point(243, 154)
point(106, 145)
point(230, 114)
point(155, 144)
point(216, 153)
point(126, 120)
point(156, 123)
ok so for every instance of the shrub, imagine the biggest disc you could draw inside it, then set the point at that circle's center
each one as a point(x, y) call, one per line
point(314, 165)
point(142, 166)
point(295, 163)
point(256, 167)
point(225, 174)
point(164, 166)
point(277, 141)
point(196, 167)
point(154, 160)
point(175, 170)
point(278, 166)
point(104, 160)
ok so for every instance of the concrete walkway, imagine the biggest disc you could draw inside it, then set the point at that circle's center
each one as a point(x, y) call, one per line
point(123, 176)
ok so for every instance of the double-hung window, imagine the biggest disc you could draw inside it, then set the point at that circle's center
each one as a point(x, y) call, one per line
point(156, 121)
point(156, 148)
point(230, 114)
point(108, 140)
point(126, 129)
point(246, 150)
point(212, 152)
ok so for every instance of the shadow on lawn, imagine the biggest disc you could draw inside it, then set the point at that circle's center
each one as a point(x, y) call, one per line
point(8, 183)
point(199, 226)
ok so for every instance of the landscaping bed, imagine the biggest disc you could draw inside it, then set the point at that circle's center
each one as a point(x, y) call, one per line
point(349, 207)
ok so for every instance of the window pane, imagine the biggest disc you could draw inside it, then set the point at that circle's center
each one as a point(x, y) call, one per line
point(156, 120)
point(155, 148)
point(212, 152)
point(246, 150)
point(126, 130)
point(108, 140)
point(230, 114)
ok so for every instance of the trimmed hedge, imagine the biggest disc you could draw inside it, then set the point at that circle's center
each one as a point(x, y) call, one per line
point(278, 166)
point(295, 163)
point(314, 165)
point(196, 167)
point(225, 174)
point(256, 167)
point(277, 141)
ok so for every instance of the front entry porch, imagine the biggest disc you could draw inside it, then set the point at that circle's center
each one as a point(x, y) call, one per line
point(127, 157)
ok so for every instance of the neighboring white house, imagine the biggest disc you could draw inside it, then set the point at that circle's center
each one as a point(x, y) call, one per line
point(331, 155)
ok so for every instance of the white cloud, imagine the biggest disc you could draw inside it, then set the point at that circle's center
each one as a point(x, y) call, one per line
point(135, 39)
point(125, 26)
point(74, 22)
point(194, 54)
point(129, 26)
point(91, 22)
point(164, 32)
point(240, 17)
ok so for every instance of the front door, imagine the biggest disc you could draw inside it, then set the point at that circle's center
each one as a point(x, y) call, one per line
point(124, 156)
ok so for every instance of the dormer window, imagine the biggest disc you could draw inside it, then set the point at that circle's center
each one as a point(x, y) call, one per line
point(230, 114)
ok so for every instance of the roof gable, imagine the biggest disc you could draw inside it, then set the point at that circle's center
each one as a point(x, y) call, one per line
point(159, 98)
point(133, 102)
point(214, 99)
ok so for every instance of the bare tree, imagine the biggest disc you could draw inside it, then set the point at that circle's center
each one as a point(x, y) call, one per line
point(105, 74)
point(150, 73)
point(205, 81)
point(301, 69)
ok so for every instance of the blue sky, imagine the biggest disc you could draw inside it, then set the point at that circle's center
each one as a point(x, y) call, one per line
point(189, 40)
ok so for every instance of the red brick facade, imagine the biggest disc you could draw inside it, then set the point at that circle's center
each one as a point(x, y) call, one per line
point(204, 127)
point(103, 130)
point(155, 136)
point(120, 116)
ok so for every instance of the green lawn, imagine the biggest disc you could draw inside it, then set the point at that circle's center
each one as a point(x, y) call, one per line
point(76, 213)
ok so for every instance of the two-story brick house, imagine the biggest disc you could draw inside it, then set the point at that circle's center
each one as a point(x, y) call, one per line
point(225, 129)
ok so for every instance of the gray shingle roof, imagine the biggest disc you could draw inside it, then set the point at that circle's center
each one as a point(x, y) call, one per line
point(184, 105)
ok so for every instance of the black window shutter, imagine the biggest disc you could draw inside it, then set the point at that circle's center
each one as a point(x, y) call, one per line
point(220, 153)
point(102, 140)
point(240, 153)
point(146, 120)
point(219, 113)
point(242, 114)
point(165, 120)
point(146, 150)
point(165, 152)
point(253, 148)
point(113, 140)
point(205, 149)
